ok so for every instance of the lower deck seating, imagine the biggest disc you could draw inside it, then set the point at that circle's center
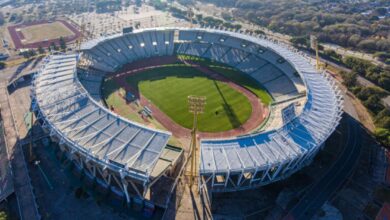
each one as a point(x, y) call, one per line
point(280, 86)
point(196, 49)
point(233, 57)
point(216, 52)
point(250, 64)
point(266, 74)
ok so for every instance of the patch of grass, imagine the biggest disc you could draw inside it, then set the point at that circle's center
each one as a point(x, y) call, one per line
point(169, 87)
point(110, 93)
point(233, 74)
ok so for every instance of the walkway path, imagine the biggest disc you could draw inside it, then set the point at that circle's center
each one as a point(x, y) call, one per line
point(22, 184)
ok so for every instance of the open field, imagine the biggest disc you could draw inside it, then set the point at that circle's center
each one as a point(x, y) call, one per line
point(42, 32)
point(169, 87)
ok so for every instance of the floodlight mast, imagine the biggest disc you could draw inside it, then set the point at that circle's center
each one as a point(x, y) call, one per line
point(314, 46)
point(196, 106)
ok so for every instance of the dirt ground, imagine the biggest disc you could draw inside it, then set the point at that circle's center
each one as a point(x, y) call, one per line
point(51, 31)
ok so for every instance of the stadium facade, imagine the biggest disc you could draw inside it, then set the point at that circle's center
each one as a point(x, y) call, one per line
point(127, 157)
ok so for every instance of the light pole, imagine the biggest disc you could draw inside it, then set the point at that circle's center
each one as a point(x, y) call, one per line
point(196, 106)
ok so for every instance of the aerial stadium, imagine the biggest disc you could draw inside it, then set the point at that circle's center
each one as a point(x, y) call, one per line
point(118, 106)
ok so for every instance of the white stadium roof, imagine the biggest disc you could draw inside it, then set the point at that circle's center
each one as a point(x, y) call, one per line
point(89, 128)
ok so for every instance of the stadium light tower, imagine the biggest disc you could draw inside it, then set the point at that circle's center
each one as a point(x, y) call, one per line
point(314, 45)
point(196, 106)
point(190, 16)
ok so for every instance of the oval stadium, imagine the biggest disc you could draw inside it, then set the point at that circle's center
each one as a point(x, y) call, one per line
point(119, 110)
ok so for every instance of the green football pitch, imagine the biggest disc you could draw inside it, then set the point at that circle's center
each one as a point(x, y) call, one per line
point(169, 86)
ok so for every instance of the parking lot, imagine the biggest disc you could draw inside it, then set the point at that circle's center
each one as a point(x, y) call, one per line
point(100, 24)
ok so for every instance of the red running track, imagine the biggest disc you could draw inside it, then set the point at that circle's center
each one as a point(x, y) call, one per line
point(17, 36)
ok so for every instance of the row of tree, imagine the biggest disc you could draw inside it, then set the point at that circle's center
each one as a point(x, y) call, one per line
point(371, 99)
point(40, 50)
point(374, 73)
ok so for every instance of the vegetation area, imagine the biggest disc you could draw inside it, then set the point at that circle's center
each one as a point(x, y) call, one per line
point(375, 74)
point(169, 87)
point(40, 50)
point(3, 215)
point(371, 99)
point(200, 19)
point(355, 24)
point(379, 75)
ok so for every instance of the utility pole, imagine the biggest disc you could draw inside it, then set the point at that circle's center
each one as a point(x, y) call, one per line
point(196, 106)
point(314, 45)
point(190, 15)
point(32, 156)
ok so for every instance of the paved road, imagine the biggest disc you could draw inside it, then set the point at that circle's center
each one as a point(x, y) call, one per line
point(323, 189)
point(24, 192)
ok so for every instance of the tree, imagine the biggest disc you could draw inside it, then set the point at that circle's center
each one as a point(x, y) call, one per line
point(2, 20)
point(333, 54)
point(199, 17)
point(349, 78)
point(53, 46)
point(356, 64)
point(62, 44)
point(384, 81)
point(383, 135)
point(373, 104)
point(41, 50)
point(2, 65)
point(28, 53)
point(382, 119)
point(380, 11)
point(368, 45)
point(300, 41)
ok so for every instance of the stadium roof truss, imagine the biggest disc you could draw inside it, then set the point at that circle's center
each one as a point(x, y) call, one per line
point(89, 129)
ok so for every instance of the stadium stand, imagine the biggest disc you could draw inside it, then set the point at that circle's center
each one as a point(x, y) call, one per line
point(216, 52)
point(262, 157)
point(250, 64)
point(280, 86)
point(266, 74)
point(106, 147)
point(234, 57)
